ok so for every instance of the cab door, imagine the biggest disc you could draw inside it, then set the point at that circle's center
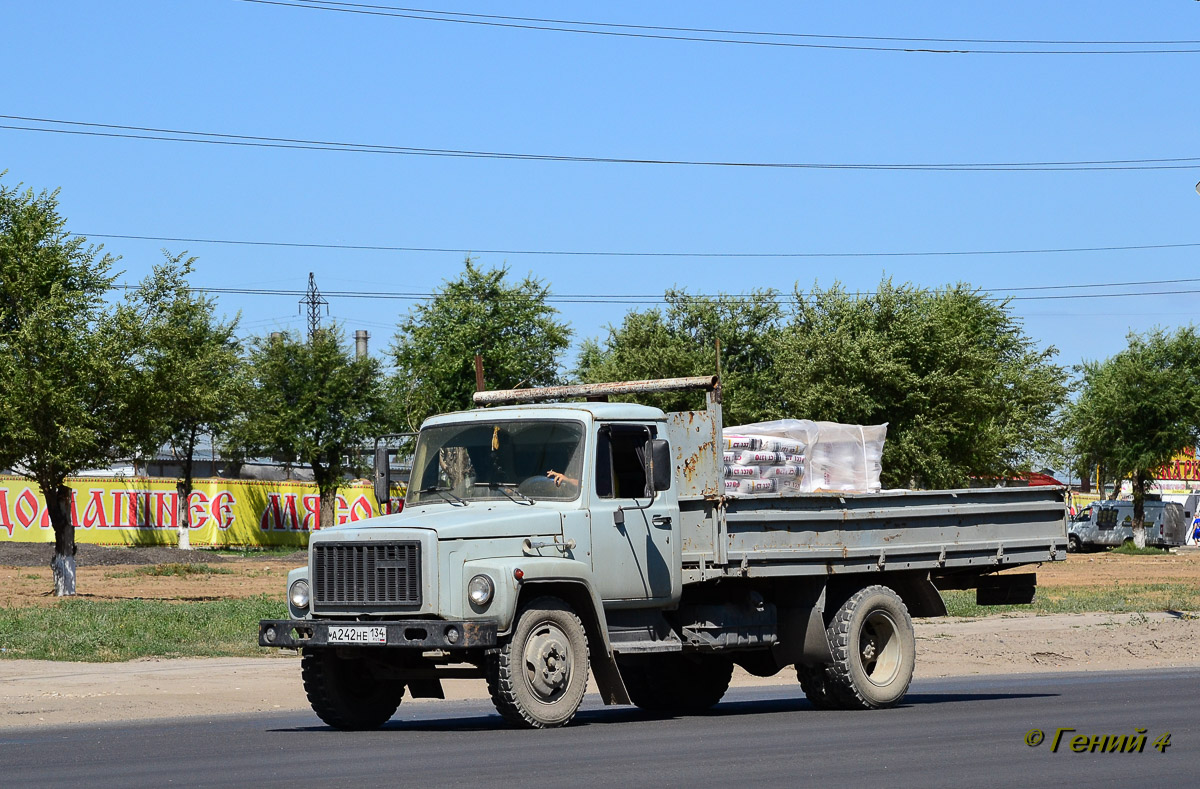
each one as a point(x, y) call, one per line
point(632, 557)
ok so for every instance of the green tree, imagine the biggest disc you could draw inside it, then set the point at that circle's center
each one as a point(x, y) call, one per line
point(313, 403)
point(510, 325)
point(73, 365)
point(1138, 408)
point(681, 341)
point(196, 367)
point(964, 391)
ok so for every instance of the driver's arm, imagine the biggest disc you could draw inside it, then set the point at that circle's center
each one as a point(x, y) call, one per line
point(559, 478)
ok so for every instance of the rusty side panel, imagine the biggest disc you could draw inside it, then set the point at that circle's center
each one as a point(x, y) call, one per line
point(985, 527)
point(695, 438)
point(695, 453)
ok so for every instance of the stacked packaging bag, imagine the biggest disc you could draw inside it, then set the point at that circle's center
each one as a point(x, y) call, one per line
point(802, 456)
point(760, 463)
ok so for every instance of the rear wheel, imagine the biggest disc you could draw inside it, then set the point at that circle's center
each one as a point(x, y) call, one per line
point(538, 675)
point(874, 650)
point(677, 683)
point(344, 694)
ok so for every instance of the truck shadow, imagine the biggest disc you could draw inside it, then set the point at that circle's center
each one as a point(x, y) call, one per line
point(603, 716)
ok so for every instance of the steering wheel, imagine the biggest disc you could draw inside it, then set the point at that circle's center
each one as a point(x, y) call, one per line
point(540, 486)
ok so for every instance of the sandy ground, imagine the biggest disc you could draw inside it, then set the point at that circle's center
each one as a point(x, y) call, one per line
point(42, 693)
point(109, 574)
point(122, 574)
point(1106, 569)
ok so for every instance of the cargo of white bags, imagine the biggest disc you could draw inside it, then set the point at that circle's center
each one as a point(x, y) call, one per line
point(802, 456)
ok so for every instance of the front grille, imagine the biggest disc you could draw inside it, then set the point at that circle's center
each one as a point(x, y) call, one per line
point(367, 574)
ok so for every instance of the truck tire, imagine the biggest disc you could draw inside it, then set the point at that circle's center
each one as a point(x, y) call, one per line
point(1073, 544)
point(344, 695)
point(874, 650)
point(677, 683)
point(538, 675)
point(816, 687)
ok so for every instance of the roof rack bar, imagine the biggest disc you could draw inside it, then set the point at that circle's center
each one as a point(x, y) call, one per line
point(506, 396)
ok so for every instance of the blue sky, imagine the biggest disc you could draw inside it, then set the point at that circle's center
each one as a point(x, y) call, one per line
point(256, 69)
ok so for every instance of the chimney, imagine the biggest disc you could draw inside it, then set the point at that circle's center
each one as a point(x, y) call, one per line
point(360, 343)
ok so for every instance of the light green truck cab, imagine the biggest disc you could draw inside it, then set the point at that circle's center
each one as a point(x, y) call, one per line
point(539, 543)
point(485, 531)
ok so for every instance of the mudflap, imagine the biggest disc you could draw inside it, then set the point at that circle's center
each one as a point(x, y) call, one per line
point(608, 677)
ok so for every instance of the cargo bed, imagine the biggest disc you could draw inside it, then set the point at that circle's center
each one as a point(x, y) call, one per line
point(941, 531)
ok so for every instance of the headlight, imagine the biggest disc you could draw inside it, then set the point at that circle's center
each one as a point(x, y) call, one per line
point(299, 594)
point(480, 590)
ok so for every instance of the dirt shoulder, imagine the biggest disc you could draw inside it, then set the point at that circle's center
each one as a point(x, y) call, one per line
point(38, 554)
point(1107, 568)
point(41, 693)
point(38, 693)
point(104, 573)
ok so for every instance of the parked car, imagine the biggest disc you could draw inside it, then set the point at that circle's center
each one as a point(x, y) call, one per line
point(1107, 524)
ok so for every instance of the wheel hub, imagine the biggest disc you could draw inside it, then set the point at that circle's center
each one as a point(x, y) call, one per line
point(548, 663)
point(879, 648)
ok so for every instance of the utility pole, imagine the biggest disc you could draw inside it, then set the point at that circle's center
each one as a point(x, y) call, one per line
point(314, 300)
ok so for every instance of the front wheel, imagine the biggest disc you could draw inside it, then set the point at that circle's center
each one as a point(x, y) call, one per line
point(1073, 544)
point(874, 650)
point(344, 694)
point(538, 675)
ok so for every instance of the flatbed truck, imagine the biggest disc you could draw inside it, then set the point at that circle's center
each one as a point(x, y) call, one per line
point(543, 541)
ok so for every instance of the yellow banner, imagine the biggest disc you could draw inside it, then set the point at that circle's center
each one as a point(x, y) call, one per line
point(1184, 467)
point(144, 511)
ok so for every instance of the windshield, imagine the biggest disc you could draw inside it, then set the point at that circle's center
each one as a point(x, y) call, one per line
point(523, 461)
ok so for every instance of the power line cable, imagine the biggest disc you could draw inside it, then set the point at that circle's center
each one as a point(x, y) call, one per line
point(648, 299)
point(632, 31)
point(635, 254)
point(1105, 295)
point(87, 128)
point(741, 32)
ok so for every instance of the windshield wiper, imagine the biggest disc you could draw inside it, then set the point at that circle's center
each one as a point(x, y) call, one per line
point(443, 493)
point(508, 489)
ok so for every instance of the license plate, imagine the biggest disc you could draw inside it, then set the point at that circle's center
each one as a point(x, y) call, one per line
point(347, 634)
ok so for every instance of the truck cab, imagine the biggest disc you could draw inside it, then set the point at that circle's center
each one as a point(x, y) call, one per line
point(505, 506)
point(552, 487)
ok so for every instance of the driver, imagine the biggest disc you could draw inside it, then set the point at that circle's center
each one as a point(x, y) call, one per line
point(561, 479)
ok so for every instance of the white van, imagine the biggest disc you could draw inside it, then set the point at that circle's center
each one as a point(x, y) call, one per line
point(1191, 515)
point(1107, 524)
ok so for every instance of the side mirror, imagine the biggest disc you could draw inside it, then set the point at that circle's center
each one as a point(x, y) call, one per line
point(658, 464)
point(383, 477)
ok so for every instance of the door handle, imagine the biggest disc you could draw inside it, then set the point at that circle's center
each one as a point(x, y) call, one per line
point(661, 520)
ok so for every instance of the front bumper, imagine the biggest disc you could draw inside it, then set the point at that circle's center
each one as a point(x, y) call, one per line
point(402, 633)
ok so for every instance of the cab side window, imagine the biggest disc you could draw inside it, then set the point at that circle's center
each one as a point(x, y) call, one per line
point(620, 465)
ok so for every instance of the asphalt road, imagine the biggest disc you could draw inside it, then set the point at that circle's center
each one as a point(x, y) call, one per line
point(953, 732)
